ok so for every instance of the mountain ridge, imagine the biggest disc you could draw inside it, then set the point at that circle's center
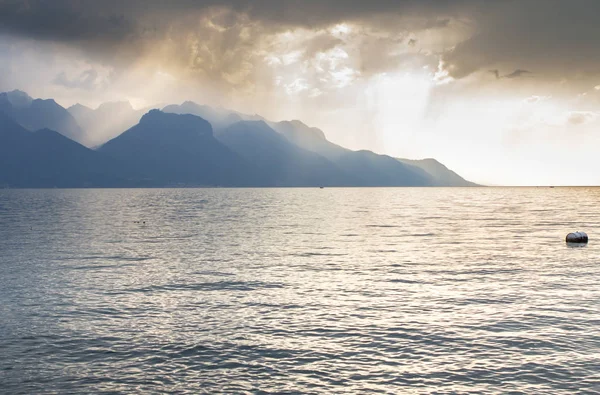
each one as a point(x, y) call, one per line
point(35, 114)
point(106, 121)
point(282, 163)
point(180, 146)
point(178, 149)
point(47, 159)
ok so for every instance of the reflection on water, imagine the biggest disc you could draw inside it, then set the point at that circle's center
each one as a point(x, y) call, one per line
point(576, 245)
point(306, 290)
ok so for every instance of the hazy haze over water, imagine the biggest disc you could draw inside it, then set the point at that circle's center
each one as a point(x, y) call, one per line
point(299, 290)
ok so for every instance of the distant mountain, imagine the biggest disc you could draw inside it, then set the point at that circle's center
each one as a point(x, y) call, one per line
point(36, 114)
point(441, 175)
point(312, 139)
point(18, 99)
point(281, 162)
point(172, 149)
point(368, 168)
point(382, 170)
point(105, 122)
point(45, 159)
point(81, 113)
point(219, 118)
point(185, 145)
point(365, 167)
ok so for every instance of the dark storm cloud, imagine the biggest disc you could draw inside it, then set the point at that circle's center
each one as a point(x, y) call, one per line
point(120, 32)
point(114, 19)
point(63, 20)
point(221, 41)
point(548, 36)
point(553, 37)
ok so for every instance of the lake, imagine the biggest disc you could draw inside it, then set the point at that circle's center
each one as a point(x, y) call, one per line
point(397, 290)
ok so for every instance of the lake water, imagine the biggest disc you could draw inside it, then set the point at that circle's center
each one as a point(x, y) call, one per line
point(299, 291)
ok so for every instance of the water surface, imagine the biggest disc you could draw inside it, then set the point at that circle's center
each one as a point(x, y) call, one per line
point(299, 291)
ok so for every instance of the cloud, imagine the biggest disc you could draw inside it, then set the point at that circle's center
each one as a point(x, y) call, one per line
point(67, 19)
point(517, 73)
point(62, 20)
point(442, 75)
point(242, 47)
point(580, 117)
point(536, 33)
point(87, 80)
point(537, 99)
point(220, 40)
point(322, 42)
point(533, 34)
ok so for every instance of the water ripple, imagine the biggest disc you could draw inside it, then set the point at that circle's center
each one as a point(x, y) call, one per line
point(285, 291)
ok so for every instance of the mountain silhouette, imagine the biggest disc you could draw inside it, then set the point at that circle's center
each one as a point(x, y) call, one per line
point(45, 159)
point(440, 174)
point(312, 139)
point(105, 122)
point(219, 118)
point(173, 149)
point(185, 145)
point(81, 113)
point(36, 114)
point(278, 160)
point(368, 168)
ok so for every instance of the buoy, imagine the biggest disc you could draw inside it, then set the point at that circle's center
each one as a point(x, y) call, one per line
point(577, 237)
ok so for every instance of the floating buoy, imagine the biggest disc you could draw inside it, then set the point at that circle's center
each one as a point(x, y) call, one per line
point(577, 237)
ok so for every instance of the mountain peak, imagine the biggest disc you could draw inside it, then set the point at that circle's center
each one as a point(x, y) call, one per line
point(177, 149)
point(193, 104)
point(78, 106)
point(19, 99)
point(297, 129)
point(35, 114)
point(176, 122)
point(45, 102)
point(298, 123)
point(152, 115)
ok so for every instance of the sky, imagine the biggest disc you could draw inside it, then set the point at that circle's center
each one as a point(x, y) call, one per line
point(503, 92)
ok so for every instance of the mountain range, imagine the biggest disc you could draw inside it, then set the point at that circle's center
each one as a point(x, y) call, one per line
point(46, 159)
point(36, 114)
point(105, 122)
point(43, 145)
